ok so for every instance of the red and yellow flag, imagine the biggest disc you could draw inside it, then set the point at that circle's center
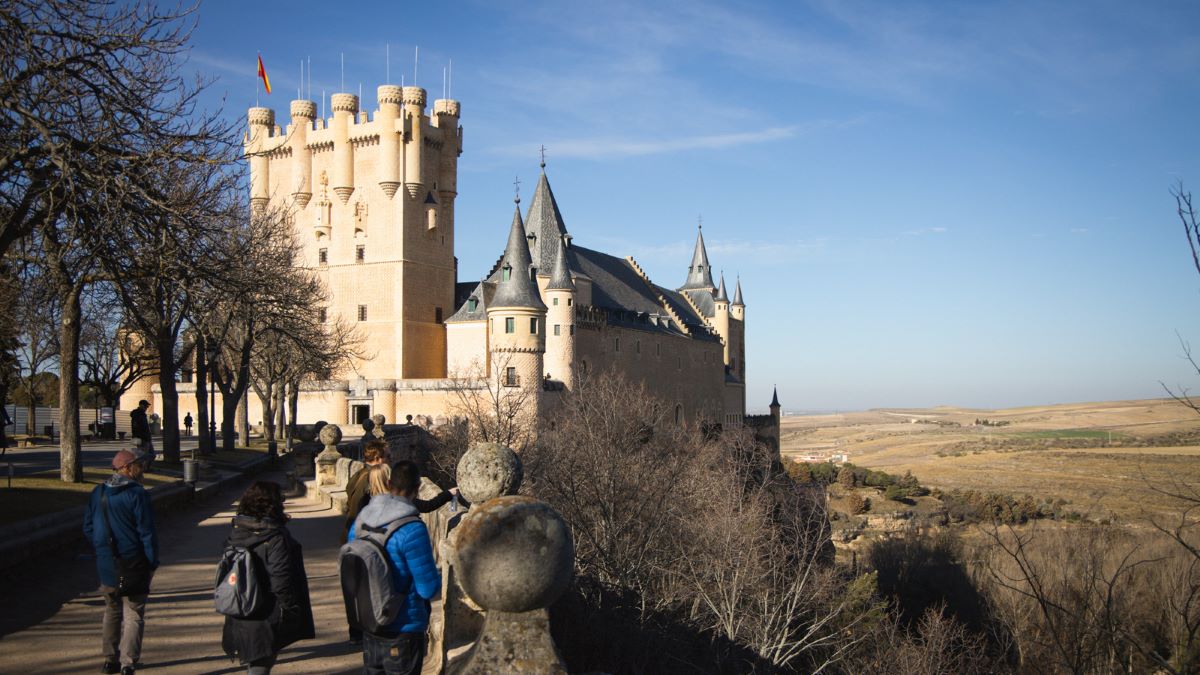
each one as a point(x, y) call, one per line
point(262, 72)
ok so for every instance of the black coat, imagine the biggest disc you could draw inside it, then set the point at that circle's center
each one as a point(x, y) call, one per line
point(140, 424)
point(288, 614)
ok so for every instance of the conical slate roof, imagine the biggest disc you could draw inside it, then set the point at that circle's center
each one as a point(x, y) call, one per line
point(546, 227)
point(699, 272)
point(560, 279)
point(721, 296)
point(737, 294)
point(774, 397)
point(518, 290)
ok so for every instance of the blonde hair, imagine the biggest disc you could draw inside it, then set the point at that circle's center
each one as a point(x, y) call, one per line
point(378, 479)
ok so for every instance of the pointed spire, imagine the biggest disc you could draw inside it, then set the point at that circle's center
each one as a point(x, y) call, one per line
point(721, 296)
point(737, 294)
point(560, 279)
point(546, 225)
point(774, 397)
point(700, 272)
point(515, 287)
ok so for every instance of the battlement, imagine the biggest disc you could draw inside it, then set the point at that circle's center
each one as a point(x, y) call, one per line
point(446, 106)
point(261, 117)
point(389, 94)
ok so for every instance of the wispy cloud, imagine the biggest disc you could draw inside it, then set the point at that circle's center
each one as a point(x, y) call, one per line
point(603, 148)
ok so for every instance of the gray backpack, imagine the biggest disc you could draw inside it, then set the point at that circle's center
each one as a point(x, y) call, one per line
point(366, 573)
point(238, 592)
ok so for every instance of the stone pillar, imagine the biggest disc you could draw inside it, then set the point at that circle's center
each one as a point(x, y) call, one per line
point(514, 556)
point(326, 462)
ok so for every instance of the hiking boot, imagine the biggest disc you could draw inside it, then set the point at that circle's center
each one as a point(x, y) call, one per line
point(111, 666)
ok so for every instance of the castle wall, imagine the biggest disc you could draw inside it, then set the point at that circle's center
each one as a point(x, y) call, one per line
point(466, 348)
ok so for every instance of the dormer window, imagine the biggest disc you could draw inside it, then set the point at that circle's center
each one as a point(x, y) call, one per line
point(472, 303)
point(506, 273)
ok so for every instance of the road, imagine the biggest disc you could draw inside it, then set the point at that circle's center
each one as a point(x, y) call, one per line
point(45, 457)
point(51, 611)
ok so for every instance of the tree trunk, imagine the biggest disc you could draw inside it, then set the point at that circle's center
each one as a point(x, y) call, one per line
point(268, 407)
point(243, 417)
point(229, 410)
point(31, 418)
point(202, 435)
point(70, 465)
point(293, 404)
point(170, 400)
point(281, 422)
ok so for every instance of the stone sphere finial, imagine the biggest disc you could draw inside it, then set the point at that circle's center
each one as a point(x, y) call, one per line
point(331, 435)
point(378, 419)
point(367, 425)
point(514, 554)
point(487, 471)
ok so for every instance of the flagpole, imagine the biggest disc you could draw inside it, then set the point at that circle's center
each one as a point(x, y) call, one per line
point(257, 77)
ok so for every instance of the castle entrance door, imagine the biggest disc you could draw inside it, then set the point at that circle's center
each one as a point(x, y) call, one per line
point(359, 412)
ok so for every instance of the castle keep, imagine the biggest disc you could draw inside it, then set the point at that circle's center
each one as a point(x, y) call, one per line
point(371, 197)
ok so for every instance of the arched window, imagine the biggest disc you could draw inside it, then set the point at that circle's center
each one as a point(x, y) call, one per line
point(678, 414)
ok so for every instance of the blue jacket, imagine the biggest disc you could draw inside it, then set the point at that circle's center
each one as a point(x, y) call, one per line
point(132, 522)
point(412, 559)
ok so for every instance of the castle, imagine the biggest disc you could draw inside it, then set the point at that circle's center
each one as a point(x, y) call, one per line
point(371, 198)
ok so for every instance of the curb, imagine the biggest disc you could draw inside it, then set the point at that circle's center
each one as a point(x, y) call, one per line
point(29, 538)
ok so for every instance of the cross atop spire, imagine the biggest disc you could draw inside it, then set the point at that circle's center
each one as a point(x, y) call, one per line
point(517, 189)
point(542, 151)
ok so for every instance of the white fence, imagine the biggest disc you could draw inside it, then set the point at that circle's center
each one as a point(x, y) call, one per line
point(45, 417)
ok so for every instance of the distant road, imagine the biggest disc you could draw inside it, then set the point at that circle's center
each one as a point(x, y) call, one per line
point(27, 461)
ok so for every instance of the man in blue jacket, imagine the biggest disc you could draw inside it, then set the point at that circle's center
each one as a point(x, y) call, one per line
point(132, 525)
point(400, 649)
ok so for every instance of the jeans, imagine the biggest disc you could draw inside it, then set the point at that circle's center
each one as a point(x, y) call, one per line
point(400, 655)
point(124, 620)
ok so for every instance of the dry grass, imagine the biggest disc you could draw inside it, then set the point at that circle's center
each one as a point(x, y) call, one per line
point(43, 493)
point(1058, 451)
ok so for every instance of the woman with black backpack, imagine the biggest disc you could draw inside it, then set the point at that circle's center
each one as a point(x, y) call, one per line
point(286, 615)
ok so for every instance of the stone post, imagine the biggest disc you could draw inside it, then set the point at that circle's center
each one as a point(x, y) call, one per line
point(515, 557)
point(326, 462)
point(378, 420)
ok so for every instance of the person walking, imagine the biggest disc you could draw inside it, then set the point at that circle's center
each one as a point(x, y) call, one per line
point(399, 648)
point(141, 428)
point(119, 522)
point(187, 425)
point(260, 526)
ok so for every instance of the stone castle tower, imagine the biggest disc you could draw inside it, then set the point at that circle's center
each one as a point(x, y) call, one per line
point(386, 254)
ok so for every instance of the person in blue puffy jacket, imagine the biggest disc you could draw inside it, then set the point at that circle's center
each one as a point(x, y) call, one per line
point(131, 521)
point(400, 648)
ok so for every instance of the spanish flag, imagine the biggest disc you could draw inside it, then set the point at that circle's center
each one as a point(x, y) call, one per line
point(262, 72)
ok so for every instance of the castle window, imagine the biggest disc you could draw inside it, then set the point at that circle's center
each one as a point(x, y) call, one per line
point(572, 329)
point(321, 315)
point(638, 346)
point(323, 256)
point(362, 312)
point(360, 253)
point(583, 366)
point(510, 377)
point(557, 329)
point(506, 273)
point(437, 314)
point(570, 302)
point(555, 302)
point(678, 414)
point(658, 350)
point(678, 363)
point(510, 325)
point(533, 326)
point(616, 344)
point(472, 304)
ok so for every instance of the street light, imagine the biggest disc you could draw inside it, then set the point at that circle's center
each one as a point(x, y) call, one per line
point(214, 352)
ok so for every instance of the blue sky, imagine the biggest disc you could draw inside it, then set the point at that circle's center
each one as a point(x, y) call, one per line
point(928, 203)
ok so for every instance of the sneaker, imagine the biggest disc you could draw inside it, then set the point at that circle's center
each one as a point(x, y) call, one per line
point(111, 666)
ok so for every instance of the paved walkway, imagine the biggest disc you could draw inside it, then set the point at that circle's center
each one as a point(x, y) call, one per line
point(50, 616)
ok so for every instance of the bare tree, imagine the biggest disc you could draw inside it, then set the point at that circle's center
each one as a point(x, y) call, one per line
point(111, 357)
point(36, 313)
point(495, 413)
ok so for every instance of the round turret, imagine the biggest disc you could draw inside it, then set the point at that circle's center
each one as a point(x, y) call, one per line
point(389, 94)
point(414, 96)
point(343, 103)
point(261, 117)
point(304, 109)
point(447, 106)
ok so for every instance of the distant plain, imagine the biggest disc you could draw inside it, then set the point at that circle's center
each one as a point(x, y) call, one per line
point(1108, 459)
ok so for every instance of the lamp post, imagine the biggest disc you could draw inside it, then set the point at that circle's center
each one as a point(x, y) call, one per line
point(214, 352)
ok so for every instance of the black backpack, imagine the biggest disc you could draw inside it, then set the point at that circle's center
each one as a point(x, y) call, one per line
point(240, 591)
